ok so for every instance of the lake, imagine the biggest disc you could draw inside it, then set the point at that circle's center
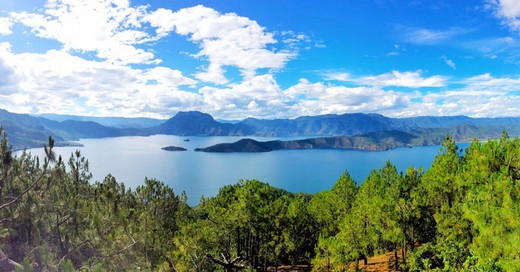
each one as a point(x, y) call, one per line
point(131, 159)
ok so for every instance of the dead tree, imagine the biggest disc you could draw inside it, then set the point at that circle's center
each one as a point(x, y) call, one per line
point(229, 265)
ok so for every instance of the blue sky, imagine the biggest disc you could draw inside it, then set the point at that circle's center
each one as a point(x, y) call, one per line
point(267, 59)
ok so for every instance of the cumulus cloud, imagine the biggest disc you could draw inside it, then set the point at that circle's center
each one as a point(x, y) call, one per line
point(117, 33)
point(110, 28)
point(224, 40)
point(339, 76)
point(260, 96)
point(93, 88)
point(487, 81)
point(508, 11)
point(480, 96)
point(5, 26)
point(404, 79)
point(318, 98)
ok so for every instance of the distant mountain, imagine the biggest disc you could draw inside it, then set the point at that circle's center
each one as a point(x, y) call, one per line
point(195, 123)
point(373, 141)
point(322, 125)
point(359, 123)
point(27, 131)
point(117, 122)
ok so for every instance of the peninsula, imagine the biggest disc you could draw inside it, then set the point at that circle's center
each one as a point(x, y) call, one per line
point(372, 141)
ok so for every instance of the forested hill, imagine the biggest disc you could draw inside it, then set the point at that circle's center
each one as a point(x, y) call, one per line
point(460, 215)
point(197, 123)
point(372, 141)
point(117, 122)
point(28, 131)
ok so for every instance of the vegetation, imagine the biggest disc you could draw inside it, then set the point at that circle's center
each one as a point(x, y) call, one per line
point(362, 131)
point(462, 214)
point(373, 141)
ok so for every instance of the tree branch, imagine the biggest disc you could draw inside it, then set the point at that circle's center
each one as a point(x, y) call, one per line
point(226, 263)
point(16, 199)
point(7, 264)
point(121, 250)
point(72, 249)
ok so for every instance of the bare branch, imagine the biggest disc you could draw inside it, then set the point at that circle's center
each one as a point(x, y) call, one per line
point(215, 260)
point(225, 263)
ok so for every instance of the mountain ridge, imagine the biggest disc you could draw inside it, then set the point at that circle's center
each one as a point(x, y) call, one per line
point(26, 131)
point(371, 141)
point(117, 122)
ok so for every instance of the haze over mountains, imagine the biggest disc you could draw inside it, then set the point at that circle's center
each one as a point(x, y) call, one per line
point(118, 122)
point(26, 131)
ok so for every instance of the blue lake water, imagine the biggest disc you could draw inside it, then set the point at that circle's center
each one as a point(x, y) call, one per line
point(131, 159)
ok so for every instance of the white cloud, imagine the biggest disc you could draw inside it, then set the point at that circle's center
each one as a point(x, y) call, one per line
point(224, 40)
point(81, 86)
point(317, 98)
point(213, 73)
point(117, 32)
point(480, 96)
point(339, 76)
point(424, 36)
point(449, 62)
point(167, 77)
point(403, 79)
point(393, 78)
point(508, 11)
point(469, 102)
point(5, 26)
point(486, 81)
point(259, 96)
point(110, 28)
point(32, 83)
point(320, 44)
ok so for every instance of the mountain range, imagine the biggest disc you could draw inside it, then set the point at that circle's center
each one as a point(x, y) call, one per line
point(26, 131)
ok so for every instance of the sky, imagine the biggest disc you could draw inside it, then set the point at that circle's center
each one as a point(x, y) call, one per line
point(266, 59)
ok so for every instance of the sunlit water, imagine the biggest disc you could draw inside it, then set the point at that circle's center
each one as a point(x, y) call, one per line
point(131, 159)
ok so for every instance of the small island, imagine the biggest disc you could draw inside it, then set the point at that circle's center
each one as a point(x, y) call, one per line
point(174, 148)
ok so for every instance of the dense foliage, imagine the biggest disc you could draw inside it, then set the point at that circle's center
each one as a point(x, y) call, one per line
point(462, 214)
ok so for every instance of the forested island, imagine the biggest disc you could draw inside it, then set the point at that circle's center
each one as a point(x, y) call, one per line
point(173, 148)
point(461, 214)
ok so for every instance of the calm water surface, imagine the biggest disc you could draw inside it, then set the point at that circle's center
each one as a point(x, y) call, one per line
point(131, 159)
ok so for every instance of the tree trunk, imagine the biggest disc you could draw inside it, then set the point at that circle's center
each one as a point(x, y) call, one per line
point(396, 258)
point(404, 252)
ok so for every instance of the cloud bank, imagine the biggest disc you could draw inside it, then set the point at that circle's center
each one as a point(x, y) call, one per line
point(106, 64)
